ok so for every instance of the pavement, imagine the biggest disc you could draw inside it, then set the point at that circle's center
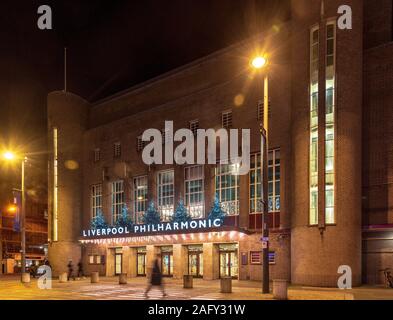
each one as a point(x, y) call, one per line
point(109, 289)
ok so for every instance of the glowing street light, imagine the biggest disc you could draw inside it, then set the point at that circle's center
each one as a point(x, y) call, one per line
point(12, 208)
point(9, 156)
point(259, 62)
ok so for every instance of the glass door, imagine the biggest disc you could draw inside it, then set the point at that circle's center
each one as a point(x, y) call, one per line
point(229, 264)
point(141, 264)
point(167, 264)
point(118, 263)
point(195, 264)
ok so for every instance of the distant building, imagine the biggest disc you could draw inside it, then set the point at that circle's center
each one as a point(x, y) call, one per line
point(36, 237)
point(330, 160)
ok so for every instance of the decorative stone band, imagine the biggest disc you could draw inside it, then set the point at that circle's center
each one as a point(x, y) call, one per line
point(146, 229)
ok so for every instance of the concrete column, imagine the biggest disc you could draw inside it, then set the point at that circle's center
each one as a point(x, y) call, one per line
point(110, 262)
point(126, 260)
point(179, 261)
point(210, 261)
point(132, 263)
point(151, 253)
point(209, 187)
point(244, 203)
point(152, 185)
point(179, 183)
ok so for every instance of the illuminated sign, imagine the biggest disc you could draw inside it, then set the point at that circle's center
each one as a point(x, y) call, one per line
point(151, 228)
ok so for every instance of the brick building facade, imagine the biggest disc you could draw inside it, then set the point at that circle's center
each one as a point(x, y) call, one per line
point(329, 159)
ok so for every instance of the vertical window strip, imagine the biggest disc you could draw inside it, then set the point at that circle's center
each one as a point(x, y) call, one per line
point(227, 188)
point(117, 199)
point(313, 161)
point(166, 194)
point(55, 185)
point(274, 187)
point(330, 123)
point(140, 197)
point(96, 199)
point(194, 191)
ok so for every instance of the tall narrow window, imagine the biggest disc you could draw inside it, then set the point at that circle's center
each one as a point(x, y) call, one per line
point(97, 154)
point(117, 150)
point(117, 199)
point(274, 182)
point(166, 193)
point(96, 199)
point(194, 126)
point(330, 123)
point(226, 118)
point(227, 188)
point(55, 185)
point(140, 197)
point(194, 189)
point(313, 163)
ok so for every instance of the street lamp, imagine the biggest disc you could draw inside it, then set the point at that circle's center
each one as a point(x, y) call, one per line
point(10, 156)
point(260, 63)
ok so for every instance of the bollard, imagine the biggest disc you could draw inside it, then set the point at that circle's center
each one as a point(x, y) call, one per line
point(188, 281)
point(123, 278)
point(280, 289)
point(226, 285)
point(25, 277)
point(95, 277)
point(63, 278)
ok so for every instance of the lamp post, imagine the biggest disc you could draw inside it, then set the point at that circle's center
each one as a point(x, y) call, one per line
point(9, 156)
point(260, 63)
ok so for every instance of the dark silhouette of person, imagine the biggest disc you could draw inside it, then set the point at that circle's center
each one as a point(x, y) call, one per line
point(80, 269)
point(156, 278)
point(70, 270)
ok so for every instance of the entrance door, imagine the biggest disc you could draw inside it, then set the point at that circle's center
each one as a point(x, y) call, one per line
point(118, 263)
point(195, 264)
point(229, 264)
point(141, 264)
point(167, 264)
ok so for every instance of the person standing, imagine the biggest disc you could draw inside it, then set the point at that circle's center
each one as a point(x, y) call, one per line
point(70, 270)
point(80, 269)
point(156, 278)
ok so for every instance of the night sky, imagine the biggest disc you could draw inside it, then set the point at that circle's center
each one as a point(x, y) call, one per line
point(111, 45)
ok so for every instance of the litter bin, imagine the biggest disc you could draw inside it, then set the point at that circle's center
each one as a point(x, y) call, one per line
point(95, 277)
point(226, 285)
point(280, 289)
point(63, 278)
point(188, 281)
point(25, 277)
point(123, 278)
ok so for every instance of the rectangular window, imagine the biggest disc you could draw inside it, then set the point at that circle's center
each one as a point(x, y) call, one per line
point(194, 191)
point(261, 107)
point(313, 158)
point(255, 257)
point(98, 259)
point(96, 199)
point(140, 144)
point(117, 199)
point(140, 197)
point(91, 260)
point(274, 176)
point(194, 126)
point(97, 155)
point(227, 119)
point(272, 257)
point(330, 123)
point(227, 188)
point(166, 193)
point(117, 150)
